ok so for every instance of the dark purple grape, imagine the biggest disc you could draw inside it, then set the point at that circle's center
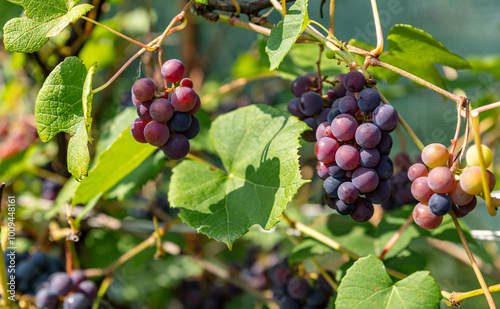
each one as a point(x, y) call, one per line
point(280, 274)
point(335, 171)
point(186, 82)
point(344, 209)
point(381, 193)
point(368, 135)
point(279, 294)
point(161, 110)
point(293, 108)
point(335, 104)
point(88, 288)
point(331, 185)
point(193, 129)
point(440, 204)
point(325, 149)
point(348, 105)
point(156, 133)
point(288, 302)
point(347, 192)
point(402, 160)
point(347, 157)
point(46, 299)
point(177, 147)
point(330, 202)
point(143, 89)
point(196, 107)
point(344, 127)
point(350, 94)
point(310, 135)
point(77, 276)
point(369, 157)
point(143, 110)
point(75, 301)
point(137, 130)
point(365, 179)
point(173, 70)
point(385, 117)
point(297, 287)
point(403, 196)
point(339, 86)
point(368, 100)
point(323, 116)
point(354, 81)
point(384, 168)
point(462, 211)
point(317, 297)
point(183, 99)
point(180, 121)
point(385, 144)
point(363, 210)
point(60, 284)
point(311, 103)
point(334, 112)
point(301, 85)
point(134, 99)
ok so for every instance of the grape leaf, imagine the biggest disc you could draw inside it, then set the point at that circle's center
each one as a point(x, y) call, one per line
point(113, 164)
point(44, 19)
point(61, 106)
point(416, 51)
point(284, 34)
point(367, 285)
point(258, 149)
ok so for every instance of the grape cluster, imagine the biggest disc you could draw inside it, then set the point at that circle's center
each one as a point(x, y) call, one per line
point(294, 292)
point(439, 189)
point(166, 121)
point(75, 291)
point(31, 270)
point(353, 147)
point(400, 184)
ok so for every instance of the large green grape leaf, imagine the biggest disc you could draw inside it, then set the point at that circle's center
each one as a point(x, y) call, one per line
point(113, 164)
point(63, 105)
point(258, 148)
point(44, 19)
point(416, 51)
point(367, 285)
point(284, 34)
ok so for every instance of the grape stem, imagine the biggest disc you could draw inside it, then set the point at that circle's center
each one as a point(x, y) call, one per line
point(150, 48)
point(3, 272)
point(159, 248)
point(486, 107)
point(332, 10)
point(396, 236)
point(318, 64)
point(378, 28)
point(102, 290)
point(474, 265)
point(456, 297)
point(283, 8)
point(330, 242)
point(484, 175)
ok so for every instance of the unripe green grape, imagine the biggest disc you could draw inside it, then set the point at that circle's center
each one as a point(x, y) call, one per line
point(472, 156)
point(330, 54)
point(471, 181)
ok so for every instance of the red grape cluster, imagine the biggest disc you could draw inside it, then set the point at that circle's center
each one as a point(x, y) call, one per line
point(439, 189)
point(166, 121)
point(353, 144)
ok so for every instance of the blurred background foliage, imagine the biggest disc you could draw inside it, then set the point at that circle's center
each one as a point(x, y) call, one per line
point(229, 70)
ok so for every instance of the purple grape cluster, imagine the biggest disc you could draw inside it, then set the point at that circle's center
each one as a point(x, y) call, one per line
point(353, 146)
point(294, 292)
point(74, 290)
point(166, 121)
point(400, 184)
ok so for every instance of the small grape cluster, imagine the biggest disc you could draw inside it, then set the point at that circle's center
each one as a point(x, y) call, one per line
point(31, 270)
point(167, 121)
point(294, 292)
point(75, 291)
point(442, 189)
point(353, 147)
point(400, 184)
